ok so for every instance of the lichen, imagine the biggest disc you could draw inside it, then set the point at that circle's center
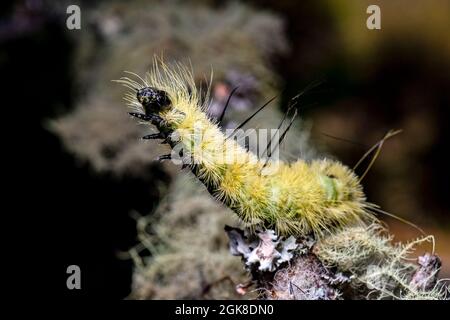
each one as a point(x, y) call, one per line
point(188, 249)
point(379, 268)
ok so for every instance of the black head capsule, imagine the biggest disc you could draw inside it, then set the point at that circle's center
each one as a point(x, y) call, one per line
point(153, 100)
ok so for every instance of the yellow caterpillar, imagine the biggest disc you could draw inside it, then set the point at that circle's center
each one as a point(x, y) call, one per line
point(295, 198)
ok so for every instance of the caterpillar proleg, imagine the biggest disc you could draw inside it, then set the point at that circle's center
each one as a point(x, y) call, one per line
point(296, 198)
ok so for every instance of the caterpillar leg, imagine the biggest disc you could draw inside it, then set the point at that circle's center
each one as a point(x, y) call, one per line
point(160, 135)
point(153, 136)
point(165, 157)
point(147, 117)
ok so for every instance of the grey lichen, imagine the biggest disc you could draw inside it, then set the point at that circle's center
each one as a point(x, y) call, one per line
point(188, 257)
point(265, 254)
point(381, 269)
point(282, 268)
point(355, 263)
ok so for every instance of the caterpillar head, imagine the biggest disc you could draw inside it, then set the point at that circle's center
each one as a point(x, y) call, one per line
point(153, 100)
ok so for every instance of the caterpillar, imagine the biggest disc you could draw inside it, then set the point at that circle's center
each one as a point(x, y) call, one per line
point(295, 198)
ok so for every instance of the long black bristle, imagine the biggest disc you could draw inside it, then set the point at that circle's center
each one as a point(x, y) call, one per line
point(269, 144)
point(287, 129)
point(291, 105)
point(249, 118)
point(226, 105)
point(343, 139)
point(283, 135)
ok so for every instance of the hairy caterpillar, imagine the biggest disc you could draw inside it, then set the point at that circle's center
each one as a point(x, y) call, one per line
point(297, 198)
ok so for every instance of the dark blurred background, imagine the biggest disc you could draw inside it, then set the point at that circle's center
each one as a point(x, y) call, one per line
point(373, 80)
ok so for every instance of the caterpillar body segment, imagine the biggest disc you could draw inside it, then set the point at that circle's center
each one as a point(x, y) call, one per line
point(295, 198)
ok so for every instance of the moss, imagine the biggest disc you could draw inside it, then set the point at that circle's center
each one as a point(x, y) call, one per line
point(379, 268)
point(189, 254)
